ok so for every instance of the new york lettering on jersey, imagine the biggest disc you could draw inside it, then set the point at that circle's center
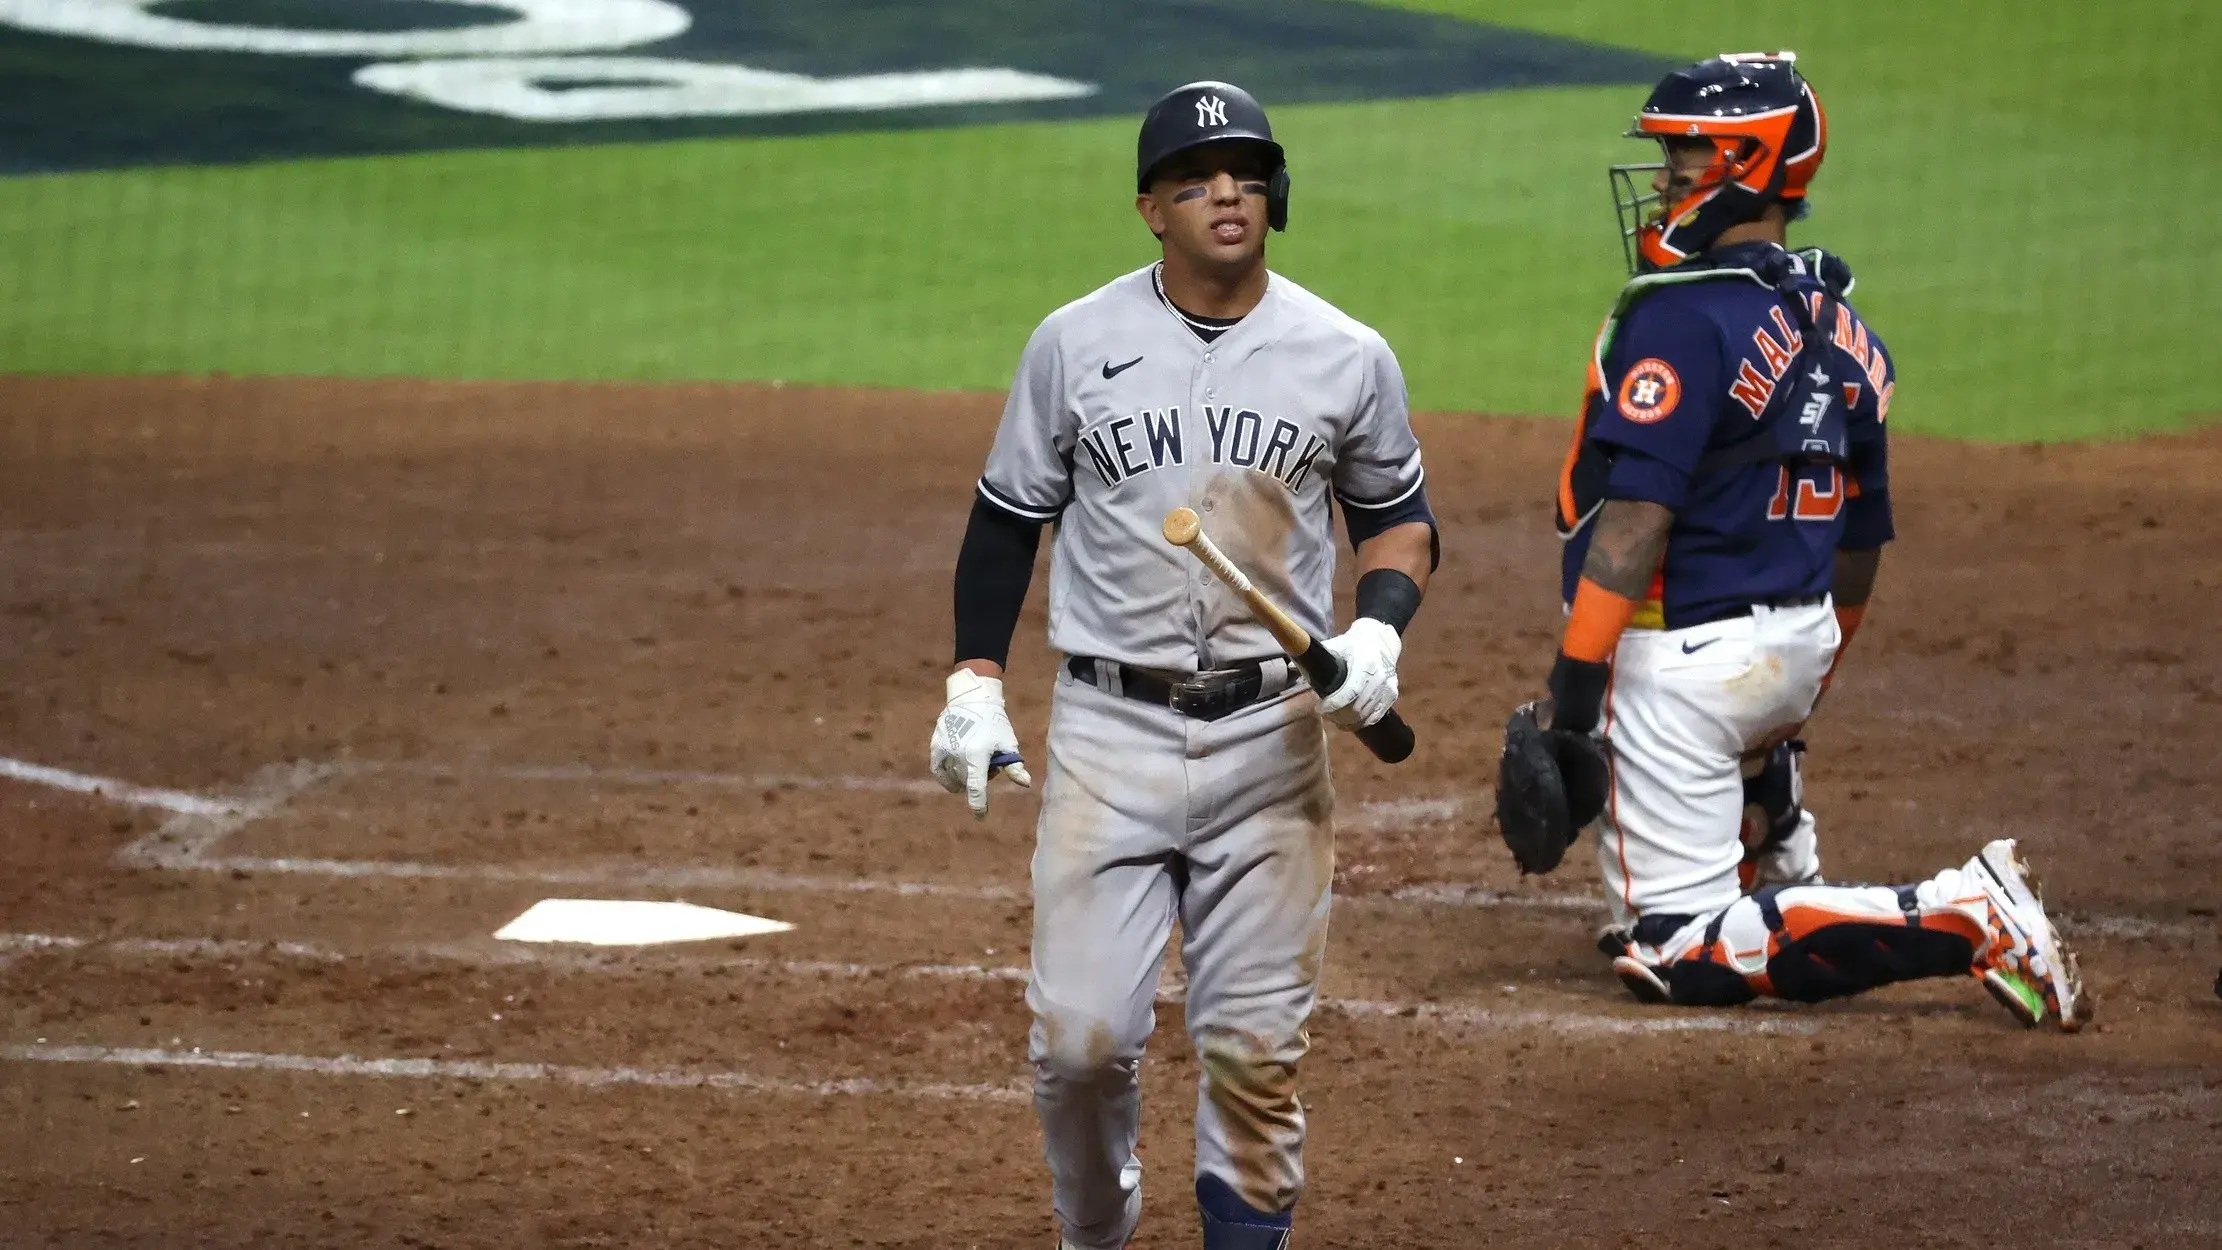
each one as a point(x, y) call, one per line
point(1703, 399)
point(1122, 411)
point(1125, 447)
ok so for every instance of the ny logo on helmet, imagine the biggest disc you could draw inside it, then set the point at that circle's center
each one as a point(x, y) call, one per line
point(1211, 111)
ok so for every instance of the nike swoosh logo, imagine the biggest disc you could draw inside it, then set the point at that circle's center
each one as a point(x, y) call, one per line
point(1111, 371)
point(1692, 648)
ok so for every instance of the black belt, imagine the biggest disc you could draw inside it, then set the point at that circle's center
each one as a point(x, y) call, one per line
point(1207, 695)
point(1744, 609)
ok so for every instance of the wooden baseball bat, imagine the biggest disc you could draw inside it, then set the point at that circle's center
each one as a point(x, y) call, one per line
point(1389, 738)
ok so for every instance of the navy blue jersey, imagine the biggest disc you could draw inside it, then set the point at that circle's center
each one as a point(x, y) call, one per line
point(1695, 403)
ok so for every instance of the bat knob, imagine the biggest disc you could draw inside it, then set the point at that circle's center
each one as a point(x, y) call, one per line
point(1181, 526)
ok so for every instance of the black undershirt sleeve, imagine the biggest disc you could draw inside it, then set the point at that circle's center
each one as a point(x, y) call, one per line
point(994, 567)
point(1364, 522)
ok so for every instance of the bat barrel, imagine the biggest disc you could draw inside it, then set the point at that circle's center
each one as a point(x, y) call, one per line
point(1183, 526)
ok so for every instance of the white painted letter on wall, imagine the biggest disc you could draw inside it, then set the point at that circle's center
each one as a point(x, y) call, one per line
point(580, 89)
point(535, 27)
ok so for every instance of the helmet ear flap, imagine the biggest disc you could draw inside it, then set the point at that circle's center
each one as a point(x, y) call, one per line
point(1276, 198)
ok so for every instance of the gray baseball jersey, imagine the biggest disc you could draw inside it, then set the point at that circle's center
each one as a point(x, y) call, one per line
point(1120, 413)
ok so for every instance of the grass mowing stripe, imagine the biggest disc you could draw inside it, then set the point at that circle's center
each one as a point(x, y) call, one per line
point(2022, 221)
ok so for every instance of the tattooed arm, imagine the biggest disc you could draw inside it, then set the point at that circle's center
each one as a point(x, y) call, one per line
point(1625, 549)
point(1629, 543)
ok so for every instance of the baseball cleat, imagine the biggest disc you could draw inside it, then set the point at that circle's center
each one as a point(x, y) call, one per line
point(2028, 969)
point(1642, 981)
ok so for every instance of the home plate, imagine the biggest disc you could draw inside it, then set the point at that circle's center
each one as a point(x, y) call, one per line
point(630, 922)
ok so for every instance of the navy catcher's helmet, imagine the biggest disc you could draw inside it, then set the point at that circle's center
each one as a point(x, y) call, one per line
point(1768, 135)
point(1208, 112)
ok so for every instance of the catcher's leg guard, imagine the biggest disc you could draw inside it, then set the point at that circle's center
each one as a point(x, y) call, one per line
point(1808, 943)
point(1232, 1224)
point(1840, 954)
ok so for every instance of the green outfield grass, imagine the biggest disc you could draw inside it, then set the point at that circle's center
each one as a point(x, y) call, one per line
point(2024, 190)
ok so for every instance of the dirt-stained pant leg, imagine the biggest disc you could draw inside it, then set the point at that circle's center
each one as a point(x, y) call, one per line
point(1114, 807)
point(1683, 708)
point(1254, 933)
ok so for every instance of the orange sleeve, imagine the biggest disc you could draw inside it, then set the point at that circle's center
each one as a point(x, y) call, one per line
point(1598, 619)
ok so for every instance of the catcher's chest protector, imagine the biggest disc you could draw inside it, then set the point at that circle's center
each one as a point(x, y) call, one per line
point(1804, 416)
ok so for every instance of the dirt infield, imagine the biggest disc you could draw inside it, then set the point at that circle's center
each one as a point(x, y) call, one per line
point(394, 660)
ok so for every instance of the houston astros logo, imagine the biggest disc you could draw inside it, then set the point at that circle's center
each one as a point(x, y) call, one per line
point(1650, 391)
point(1211, 111)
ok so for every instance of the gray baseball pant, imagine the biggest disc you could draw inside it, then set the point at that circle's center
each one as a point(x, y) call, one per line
point(1148, 814)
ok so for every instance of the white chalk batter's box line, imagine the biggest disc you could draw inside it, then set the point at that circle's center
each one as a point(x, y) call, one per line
point(1452, 1016)
point(1437, 1015)
point(420, 1068)
point(198, 824)
point(190, 839)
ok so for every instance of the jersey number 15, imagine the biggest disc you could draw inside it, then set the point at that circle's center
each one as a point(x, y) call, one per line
point(1819, 494)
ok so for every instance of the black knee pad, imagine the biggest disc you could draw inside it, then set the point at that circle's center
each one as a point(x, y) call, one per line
point(1851, 958)
point(1703, 983)
point(1694, 982)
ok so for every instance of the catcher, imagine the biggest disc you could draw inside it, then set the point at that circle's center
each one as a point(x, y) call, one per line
point(1725, 505)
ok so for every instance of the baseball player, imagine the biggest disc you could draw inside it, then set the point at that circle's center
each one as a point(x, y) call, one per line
point(1187, 770)
point(1725, 505)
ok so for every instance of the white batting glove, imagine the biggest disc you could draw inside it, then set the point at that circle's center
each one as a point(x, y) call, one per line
point(974, 741)
point(1369, 650)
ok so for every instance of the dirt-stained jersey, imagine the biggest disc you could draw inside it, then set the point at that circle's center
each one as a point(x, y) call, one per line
point(1120, 413)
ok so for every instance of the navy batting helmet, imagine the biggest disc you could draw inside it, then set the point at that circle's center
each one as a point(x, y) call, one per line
point(1209, 112)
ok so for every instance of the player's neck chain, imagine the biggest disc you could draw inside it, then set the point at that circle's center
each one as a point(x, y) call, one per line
point(1205, 328)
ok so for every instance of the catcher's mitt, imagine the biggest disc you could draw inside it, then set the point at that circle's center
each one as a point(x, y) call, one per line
point(1550, 785)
